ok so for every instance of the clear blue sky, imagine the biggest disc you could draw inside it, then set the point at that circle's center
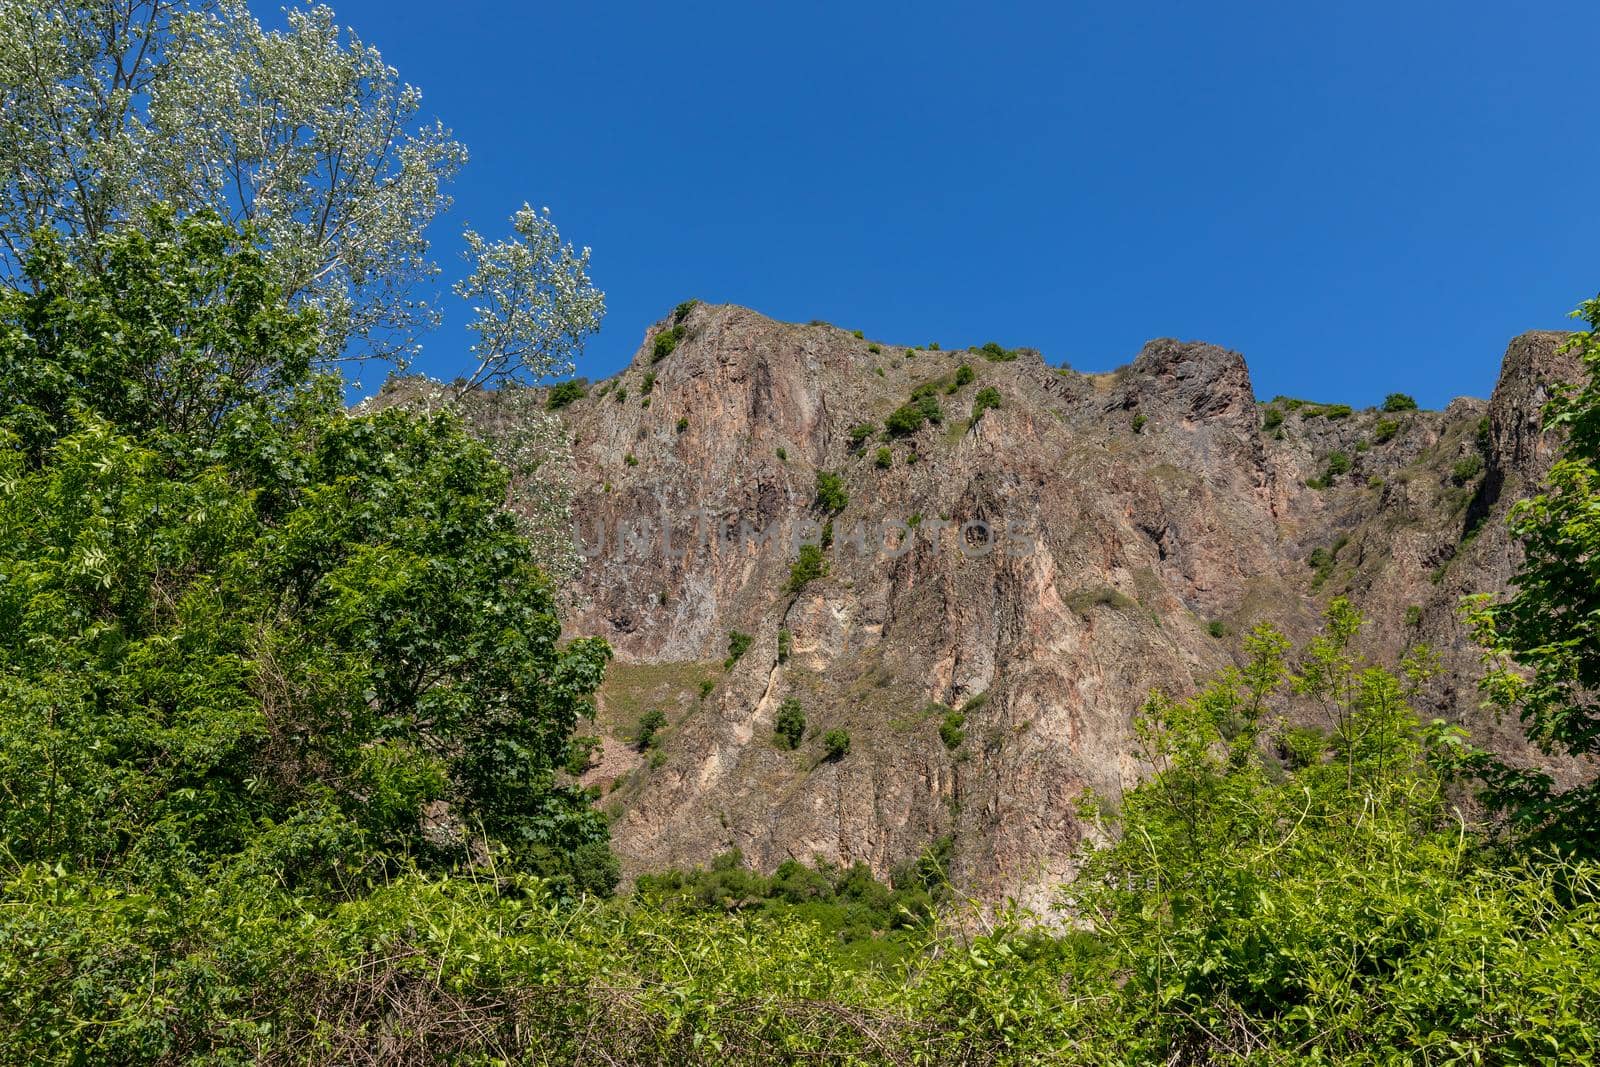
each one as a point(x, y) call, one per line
point(1360, 197)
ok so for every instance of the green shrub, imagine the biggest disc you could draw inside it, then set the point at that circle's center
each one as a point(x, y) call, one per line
point(581, 752)
point(987, 399)
point(683, 424)
point(1466, 469)
point(836, 743)
point(995, 353)
point(874, 348)
point(964, 376)
point(1138, 422)
point(860, 433)
point(681, 312)
point(885, 458)
point(789, 728)
point(621, 395)
point(952, 729)
point(666, 342)
point(1272, 419)
point(1414, 616)
point(808, 566)
point(1338, 464)
point(739, 643)
point(564, 393)
point(1217, 628)
point(631, 460)
point(782, 454)
point(1399, 402)
point(647, 383)
point(1384, 430)
point(905, 420)
point(858, 334)
point(707, 686)
point(831, 496)
point(785, 645)
point(645, 731)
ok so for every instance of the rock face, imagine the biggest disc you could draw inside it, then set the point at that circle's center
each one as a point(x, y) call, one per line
point(1044, 567)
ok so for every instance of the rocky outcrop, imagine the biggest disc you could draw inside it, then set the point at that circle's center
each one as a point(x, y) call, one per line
point(1039, 569)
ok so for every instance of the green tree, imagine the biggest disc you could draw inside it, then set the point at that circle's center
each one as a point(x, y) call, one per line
point(1399, 402)
point(831, 495)
point(254, 627)
point(1542, 644)
point(790, 725)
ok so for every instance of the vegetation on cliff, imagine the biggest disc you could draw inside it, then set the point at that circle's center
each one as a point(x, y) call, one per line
point(287, 724)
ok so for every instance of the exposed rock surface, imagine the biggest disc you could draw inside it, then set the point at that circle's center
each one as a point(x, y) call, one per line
point(1157, 504)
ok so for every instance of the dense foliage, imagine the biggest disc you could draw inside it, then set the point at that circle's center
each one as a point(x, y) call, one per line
point(286, 720)
point(241, 626)
point(1542, 645)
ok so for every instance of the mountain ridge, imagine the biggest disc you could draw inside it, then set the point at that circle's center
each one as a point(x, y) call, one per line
point(1172, 511)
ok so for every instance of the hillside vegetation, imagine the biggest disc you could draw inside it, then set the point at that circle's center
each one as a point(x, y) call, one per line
point(290, 734)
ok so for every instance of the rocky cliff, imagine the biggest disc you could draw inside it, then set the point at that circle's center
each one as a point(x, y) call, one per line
point(1037, 569)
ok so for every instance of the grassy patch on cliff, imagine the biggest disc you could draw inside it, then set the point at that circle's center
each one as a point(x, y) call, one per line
point(632, 689)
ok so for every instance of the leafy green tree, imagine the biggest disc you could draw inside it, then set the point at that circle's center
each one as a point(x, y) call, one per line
point(831, 495)
point(809, 565)
point(650, 724)
point(181, 327)
point(1399, 402)
point(250, 626)
point(1542, 644)
point(836, 743)
point(565, 393)
point(790, 725)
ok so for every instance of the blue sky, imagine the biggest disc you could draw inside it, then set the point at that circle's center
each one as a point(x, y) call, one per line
point(1359, 197)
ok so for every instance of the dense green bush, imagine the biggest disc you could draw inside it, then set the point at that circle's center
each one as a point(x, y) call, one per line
point(836, 743)
point(565, 393)
point(1466, 469)
point(964, 375)
point(739, 643)
point(809, 565)
point(884, 459)
point(988, 398)
point(952, 728)
point(790, 725)
point(831, 496)
point(1399, 402)
point(649, 725)
point(666, 342)
point(995, 352)
point(860, 433)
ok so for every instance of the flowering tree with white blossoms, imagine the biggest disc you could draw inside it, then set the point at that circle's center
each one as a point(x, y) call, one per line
point(111, 109)
point(108, 109)
point(532, 304)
